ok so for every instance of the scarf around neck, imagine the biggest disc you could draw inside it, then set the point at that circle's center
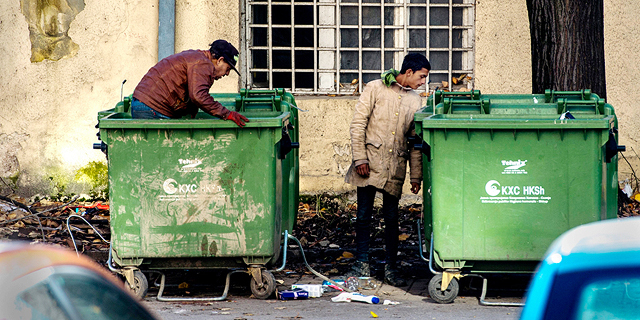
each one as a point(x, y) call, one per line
point(389, 77)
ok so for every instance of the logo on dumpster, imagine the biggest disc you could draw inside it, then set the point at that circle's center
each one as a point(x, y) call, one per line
point(190, 165)
point(492, 188)
point(514, 166)
point(171, 186)
point(513, 194)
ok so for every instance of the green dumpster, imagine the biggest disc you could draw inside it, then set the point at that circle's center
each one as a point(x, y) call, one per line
point(203, 193)
point(505, 175)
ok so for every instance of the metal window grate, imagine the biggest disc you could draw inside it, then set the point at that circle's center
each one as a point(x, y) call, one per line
point(336, 46)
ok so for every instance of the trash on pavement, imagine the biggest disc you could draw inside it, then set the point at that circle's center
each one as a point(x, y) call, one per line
point(295, 294)
point(354, 296)
point(314, 290)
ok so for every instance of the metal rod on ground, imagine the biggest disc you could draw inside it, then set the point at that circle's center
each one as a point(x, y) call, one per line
point(220, 298)
point(321, 276)
point(495, 304)
point(87, 222)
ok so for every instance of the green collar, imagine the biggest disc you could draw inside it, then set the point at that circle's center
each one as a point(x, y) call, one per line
point(389, 77)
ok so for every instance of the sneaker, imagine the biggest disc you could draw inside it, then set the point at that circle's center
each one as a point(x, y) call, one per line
point(359, 269)
point(391, 277)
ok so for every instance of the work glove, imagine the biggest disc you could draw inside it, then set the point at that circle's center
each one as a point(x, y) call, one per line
point(237, 118)
point(363, 170)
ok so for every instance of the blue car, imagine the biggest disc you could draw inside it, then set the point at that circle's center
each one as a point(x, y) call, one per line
point(589, 272)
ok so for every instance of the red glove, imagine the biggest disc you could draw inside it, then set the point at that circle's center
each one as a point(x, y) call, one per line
point(237, 118)
point(415, 187)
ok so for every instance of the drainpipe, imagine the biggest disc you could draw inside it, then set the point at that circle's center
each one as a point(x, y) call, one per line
point(166, 28)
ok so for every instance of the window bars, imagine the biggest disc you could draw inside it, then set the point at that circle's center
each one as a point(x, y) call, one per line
point(336, 46)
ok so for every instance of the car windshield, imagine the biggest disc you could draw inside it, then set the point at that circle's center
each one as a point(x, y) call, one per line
point(610, 299)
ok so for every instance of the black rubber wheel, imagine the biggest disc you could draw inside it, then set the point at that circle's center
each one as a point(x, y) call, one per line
point(140, 284)
point(440, 296)
point(267, 288)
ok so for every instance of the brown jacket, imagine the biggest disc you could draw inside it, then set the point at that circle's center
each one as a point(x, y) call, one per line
point(179, 85)
point(382, 121)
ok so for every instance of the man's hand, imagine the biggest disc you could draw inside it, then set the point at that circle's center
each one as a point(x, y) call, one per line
point(237, 118)
point(415, 187)
point(363, 170)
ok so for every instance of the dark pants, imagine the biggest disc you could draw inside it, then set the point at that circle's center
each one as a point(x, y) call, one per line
point(140, 110)
point(366, 195)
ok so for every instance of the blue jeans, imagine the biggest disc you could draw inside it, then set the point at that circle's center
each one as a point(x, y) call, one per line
point(140, 110)
point(366, 195)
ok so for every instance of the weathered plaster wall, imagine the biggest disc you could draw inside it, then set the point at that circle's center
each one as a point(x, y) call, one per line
point(200, 22)
point(503, 55)
point(48, 109)
point(622, 63)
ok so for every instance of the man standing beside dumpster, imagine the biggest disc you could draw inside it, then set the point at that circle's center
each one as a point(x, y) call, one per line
point(382, 121)
point(179, 85)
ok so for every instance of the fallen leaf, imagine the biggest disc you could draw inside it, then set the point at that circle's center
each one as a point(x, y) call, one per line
point(373, 314)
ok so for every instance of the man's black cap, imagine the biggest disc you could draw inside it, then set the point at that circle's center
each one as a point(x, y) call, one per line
point(224, 49)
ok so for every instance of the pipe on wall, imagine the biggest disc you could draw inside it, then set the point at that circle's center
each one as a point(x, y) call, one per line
point(166, 28)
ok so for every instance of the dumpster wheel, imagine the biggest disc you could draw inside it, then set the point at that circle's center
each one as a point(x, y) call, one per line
point(266, 287)
point(140, 285)
point(446, 296)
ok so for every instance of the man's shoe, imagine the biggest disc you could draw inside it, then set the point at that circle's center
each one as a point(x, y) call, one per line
point(391, 277)
point(359, 269)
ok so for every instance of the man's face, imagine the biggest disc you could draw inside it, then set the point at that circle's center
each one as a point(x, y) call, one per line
point(222, 68)
point(416, 79)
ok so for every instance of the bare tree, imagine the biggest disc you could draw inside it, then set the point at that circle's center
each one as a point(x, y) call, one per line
point(567, 45)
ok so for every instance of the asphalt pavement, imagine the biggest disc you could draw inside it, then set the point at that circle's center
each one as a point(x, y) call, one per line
point(413, 303)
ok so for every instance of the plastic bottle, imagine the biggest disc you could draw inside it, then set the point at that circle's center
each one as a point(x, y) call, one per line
point(343, 297)
point(354, 296)
point(362, 298)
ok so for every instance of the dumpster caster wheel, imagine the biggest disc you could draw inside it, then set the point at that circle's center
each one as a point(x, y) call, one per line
point(440, 296)
point(265, 289)
point(140, 286)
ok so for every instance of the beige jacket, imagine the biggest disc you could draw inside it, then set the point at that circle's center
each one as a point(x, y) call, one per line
point(382, 121)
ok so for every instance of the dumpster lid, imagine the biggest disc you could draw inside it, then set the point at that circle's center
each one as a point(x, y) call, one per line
point(202, 121)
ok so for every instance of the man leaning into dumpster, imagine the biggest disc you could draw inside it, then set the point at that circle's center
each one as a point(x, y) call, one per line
point(382, 121)
point(179, 85)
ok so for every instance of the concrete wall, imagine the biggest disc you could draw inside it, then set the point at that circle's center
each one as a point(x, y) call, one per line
point(48, 108)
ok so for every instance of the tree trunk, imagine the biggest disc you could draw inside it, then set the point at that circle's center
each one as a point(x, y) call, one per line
point(567, 45)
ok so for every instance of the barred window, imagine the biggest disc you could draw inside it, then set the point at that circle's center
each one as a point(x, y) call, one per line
point(334, 46)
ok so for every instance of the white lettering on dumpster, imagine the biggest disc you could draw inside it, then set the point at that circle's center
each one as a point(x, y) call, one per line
point(513, 194)
point(190, 165)
point(514, 166)
point(189, 191)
